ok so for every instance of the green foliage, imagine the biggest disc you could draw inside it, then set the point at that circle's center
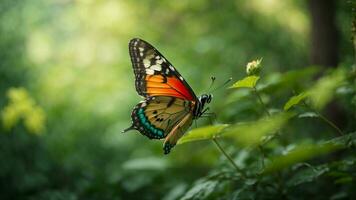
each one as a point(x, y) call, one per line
point(80, 91)
point(299, 154)
point(247, 82)
point(252, 133)
point(309, 174)
point(295, 100)
point(308, 114)
point(203, 133)
point(22, 106)
point(202, 189)
point(145, 164)
point(324, 89)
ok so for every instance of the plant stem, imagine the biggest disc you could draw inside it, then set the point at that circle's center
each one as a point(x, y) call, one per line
point(326, 120)
point(263, 156)
point(243, 175)
point(331, 124)
point(268, 114)
point(261, 102)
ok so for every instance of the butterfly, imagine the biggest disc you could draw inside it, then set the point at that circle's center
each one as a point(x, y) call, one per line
point(170, 105)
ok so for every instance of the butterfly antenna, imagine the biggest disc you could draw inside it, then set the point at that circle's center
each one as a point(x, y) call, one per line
point(212, 82)
point(222, 85)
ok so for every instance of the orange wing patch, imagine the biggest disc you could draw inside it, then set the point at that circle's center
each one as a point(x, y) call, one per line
point(157, 85)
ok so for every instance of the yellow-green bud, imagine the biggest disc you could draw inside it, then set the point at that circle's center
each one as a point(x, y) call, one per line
point(253, 67)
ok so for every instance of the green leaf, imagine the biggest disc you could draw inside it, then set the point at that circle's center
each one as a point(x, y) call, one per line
point(201, 189)
point(175, 192)
point(251, 133)
point(300, 154)
point(295, 100)
point(203, 133)
point(247, 82)
point(308, 114)
point(344, 180)
point(345, 140)
point(324, 89)
point(308, 175)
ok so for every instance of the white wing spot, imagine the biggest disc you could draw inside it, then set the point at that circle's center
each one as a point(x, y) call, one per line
point(141, 49)
point(143, 104)
point(159, 61)
point(157, 57)
point(171, 67)
point(146, 63)
point(181, 78)
point(141, 54)
point(167, 71)
point(156, 67)
point(150, 71)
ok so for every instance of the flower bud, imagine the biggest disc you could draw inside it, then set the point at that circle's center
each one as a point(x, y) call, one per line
point(253, 67)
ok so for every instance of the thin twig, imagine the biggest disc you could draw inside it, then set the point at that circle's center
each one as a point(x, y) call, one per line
point(261, 102)
point(243, 175)
point(326, 120)
point(330, 123)
point(263, 156)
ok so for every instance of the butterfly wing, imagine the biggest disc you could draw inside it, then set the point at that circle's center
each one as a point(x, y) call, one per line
point(177, 132)
point(159, 116)
point(155, 75)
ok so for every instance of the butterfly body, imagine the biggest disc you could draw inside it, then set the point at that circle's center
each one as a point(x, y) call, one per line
point(170, 105)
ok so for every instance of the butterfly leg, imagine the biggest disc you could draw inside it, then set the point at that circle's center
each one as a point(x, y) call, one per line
point(211, 116)
point(202, 113)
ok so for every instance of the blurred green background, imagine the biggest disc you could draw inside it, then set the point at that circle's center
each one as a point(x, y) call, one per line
point(67, 87)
